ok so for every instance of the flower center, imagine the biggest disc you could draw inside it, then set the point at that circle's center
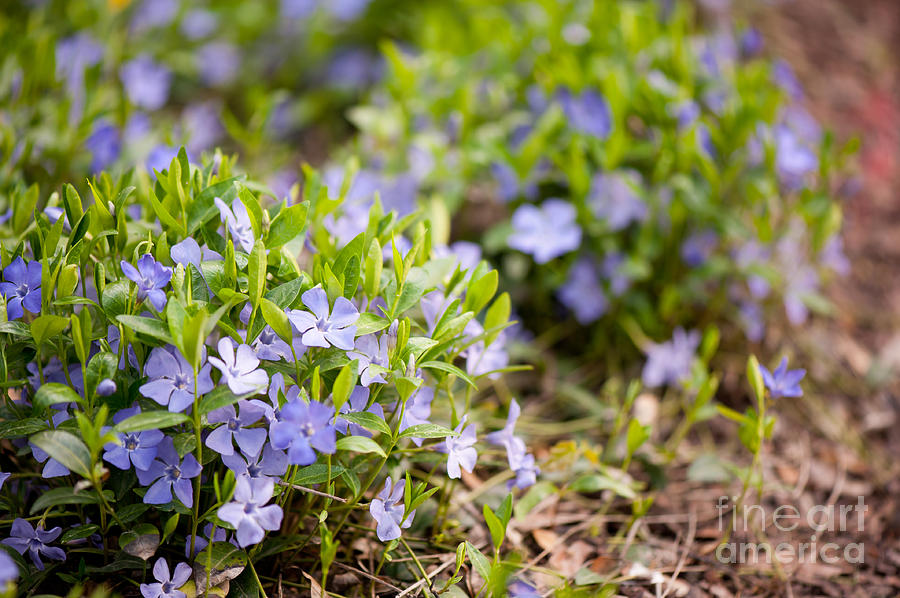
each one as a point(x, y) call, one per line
point(254, 471)
point(167, 587)
point(131, 442)
point(172, 472)
point(307, 429)
point(233, 424)
point(22, 290)
point(249, 508)
point(181, 381)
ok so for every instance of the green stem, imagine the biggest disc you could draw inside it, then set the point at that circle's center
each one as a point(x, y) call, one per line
point(198, 435)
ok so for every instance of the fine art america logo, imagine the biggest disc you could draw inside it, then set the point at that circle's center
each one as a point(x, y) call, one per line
point(828, 526)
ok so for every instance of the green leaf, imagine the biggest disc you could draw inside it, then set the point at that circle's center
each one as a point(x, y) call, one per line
point(102, 365)
point(427, 431)
point(754, 375)
point(370, 323)
point(636, 435)
point(19, 428)
point(360, 444)
point(66, 448)
point(151, 420)
point(256, 273)
point(373, 266)
point(54, 393)
point(479, 561)
point(285, 294)
point(367, 420)
point(64, 496)
point(287, 225)
point(15, 328)
point(114, 298)
point(317, 473)
point(149, 326)
point(277, 319)
point(45, 327)
point(220, 396)
point(496, 527)
point(254, 211)
point(343, 385)
point(78, 533)
point(480, 292)
point(225, 561)
point(450, 369)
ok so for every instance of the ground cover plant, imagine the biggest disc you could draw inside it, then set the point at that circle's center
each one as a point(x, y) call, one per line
point(177, 388)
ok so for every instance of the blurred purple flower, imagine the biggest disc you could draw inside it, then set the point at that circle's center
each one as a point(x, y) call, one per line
point(546, 232)
point(199, 23)
point(614, 197)
point(238, 222)
point(698, 247)
point(104, 144)
point(670, 362)
point(219, 63)
point(146, 82)
point(460, 452)
point(782, 382)
point(202, 126)
point(154, 13)
point(582, 293)
point(23, 537)
point(372, 353)
point(587, 113)
point(418, 410)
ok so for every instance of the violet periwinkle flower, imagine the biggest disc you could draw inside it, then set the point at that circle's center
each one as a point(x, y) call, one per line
point(270, 347)
point(268, 463)
point(433, 305)
point(587, 113)
point(112, 337)
point(357, 404)
point(52, 467)
point(160, 157)
point(782, 382)
point(750, 315)
point(373, 355)
point(172, 378)
point(154, 13)
point(9, 571)
point(322, 328)
point(239, 369)
point(150, 277)
point(418, 410)
point(104, 144)
point(106, 387)
point(484, 359)
point(190, 252)
point(388, 509)
point(582, 292)
point(546, 232)
point(168, 473)
point(670, 362)
point(199, 23)
point(614, 197)
point(460, 452)
point(698, 247)
point(146, 82)
point(272, 409)
point(200, 542)
point(75, 54)
point(137, 448)
point(248, 512)
point(21, 286)
point(751, 42)
point(466, 254)
point(526, 472)
point(303, 428)
point(506, 437)
point(23, 537)
point(167, 584)
point(802, 281)
point(833, 256)
point(784, 77)
point(218, 62)
point(793, 159)
point(237, 428)
point(202, 126)
point(686, 112)
point(520, 589)
point(509, 184)
point(238, 222)
point(53, 372)
point(3, 477)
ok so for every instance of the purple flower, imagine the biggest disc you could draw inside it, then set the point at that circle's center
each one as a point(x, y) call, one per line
point(418, 410)
point(697, 248)
point(357, 404)
point(784, 77)
point(269, 463)
point(670, 362)
point(239, 369)
point(199, 23)
point(520, 589)
point(509, 184)
point(137, 448)
point(347, 10)
point(751, 318)
point(372, 353)
point(154, 13)
point(237, 428)
point(21, 287)
point(238, 222)
point(270, 347)
point(167, 585)
point(582, 292)
point(150, 277)
point(75, 54)
point(200, 542)
point(52, 467)
point(219, 63)
point(9, 571)
point(202, 126)
point(687, 112)
point(546, 232)
point(106, 387)
point(304, 427)
point(526, 472)
point(460, 452)
point(751, 42)
point(321, 328)
point(24, 537)
point(272, 409)
point(146, 82)
point(53, 372)
point(833, 256)
point(248, 512)
point(587, 113)
point(782, 382)
point(484, 359)
point(3, 477)
point(104, 144)
point(614, 197)
point(172, 379)
point(160, 157)
point(793, 159)
point(167, 473)
point(388, 509)
point(506, 437)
